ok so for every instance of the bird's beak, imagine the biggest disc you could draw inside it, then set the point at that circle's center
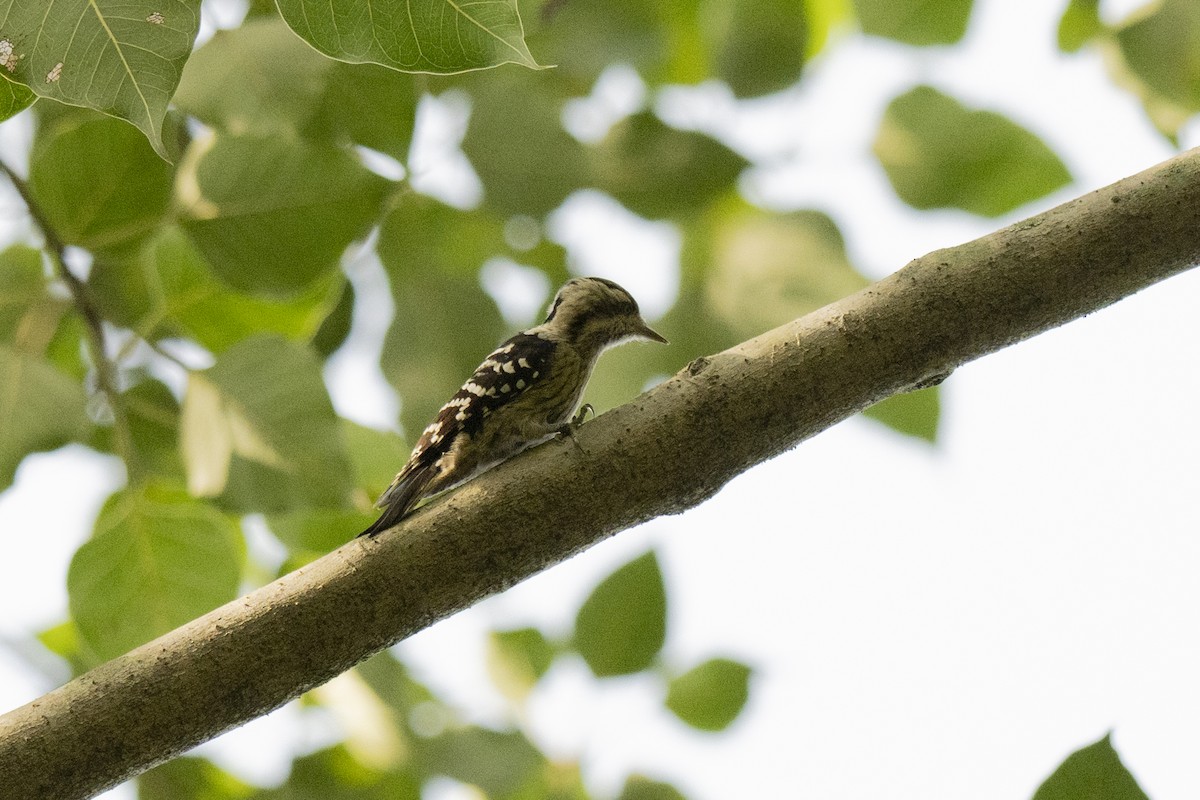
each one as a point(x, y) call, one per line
point(646, 332)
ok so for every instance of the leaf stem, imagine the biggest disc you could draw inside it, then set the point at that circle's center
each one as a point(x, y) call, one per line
point(106, 370)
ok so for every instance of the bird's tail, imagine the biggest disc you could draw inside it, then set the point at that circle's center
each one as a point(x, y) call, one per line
point(400, 498)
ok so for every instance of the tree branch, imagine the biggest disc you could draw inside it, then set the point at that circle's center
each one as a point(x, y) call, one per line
point(661, 454)
point(106, 373)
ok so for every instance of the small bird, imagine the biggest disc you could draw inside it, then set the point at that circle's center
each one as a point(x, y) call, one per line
point(523, 393)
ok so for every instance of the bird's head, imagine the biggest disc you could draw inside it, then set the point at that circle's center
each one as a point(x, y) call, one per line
point(597, 313)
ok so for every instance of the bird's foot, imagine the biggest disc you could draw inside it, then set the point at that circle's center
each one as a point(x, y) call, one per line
point(567, 429)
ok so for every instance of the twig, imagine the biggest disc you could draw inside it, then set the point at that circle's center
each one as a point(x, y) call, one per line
point(106, 371)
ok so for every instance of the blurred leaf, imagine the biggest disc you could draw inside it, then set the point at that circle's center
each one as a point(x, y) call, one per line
point(98, 183)
point(498, 762)
point(557, 780)
point(190, 778)
point(265, 402)
point(335, 328)
point(334, 774)
point(286, 87)
point(67, 345)
point(823, 17)
point(1093, 773)
point(153, 416)
point(759, 46)
point(14, 98)
point(658, 171)
point(170, 290)
point(515, 140)
point(106, 55)
point(518, 659)
point(63, 640)
point(23, 300)
point(279, 79)
point(641, 788)
point(318, 531)
point(435, 36)
point(156, 560)
point(583, 37)
point(390, 680)
point(273, 214)
point(1163, 50)
point(443, 329)
point(40, 409)
point(766, 269)
point(911, 413)
point(445, 323)
point(915, 22)
point(939, 154)
point(376, 456)
point(622, 625)
point(1080, 23)
point(711, 695)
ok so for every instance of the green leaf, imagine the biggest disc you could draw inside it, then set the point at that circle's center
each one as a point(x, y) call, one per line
point(711, 695)
point(112, 56)
point(272, 214)
point(1080, 23)
point(638, 787)
point(40, 409)
point(1096, 772)
point(518, 659)
point(445, 323)
point(436, 36)
point(63, 641)
point(515, 140)
point(98, 183)
point(766, 269)
point(1163, 51)
point(915, 22)
point(258, 430)
point(658, 171)
point(191, 778)
point(317, 531)
point(824, 17)
point(334, 774)
point(22, 296)
point(911, 413)
point(169, 290)
point(443, 329)
point(335, 327)
point(497, 762)
point(14, 98)
point(622, 625)
point(286, 87)
point(759, 46)
point(583, 37)
point(939, 154)
point(156, 560)
point(376, 456)
point(391, 682)
point(153, 417)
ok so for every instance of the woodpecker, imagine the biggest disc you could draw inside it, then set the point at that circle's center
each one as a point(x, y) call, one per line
point(523, 393)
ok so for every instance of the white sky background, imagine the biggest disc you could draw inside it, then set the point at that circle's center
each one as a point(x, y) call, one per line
point(924, 622)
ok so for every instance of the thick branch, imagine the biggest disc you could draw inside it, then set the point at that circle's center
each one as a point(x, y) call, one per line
point(665, 452)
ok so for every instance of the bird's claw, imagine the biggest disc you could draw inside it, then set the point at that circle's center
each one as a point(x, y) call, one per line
point(567, 429)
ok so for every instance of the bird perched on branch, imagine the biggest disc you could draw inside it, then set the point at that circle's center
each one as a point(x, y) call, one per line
point(523, 393)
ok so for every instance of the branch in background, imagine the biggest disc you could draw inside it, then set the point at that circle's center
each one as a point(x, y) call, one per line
point(106, 371)
point(661, 454)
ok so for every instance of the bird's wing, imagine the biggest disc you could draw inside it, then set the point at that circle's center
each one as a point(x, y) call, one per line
point(503, 376)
